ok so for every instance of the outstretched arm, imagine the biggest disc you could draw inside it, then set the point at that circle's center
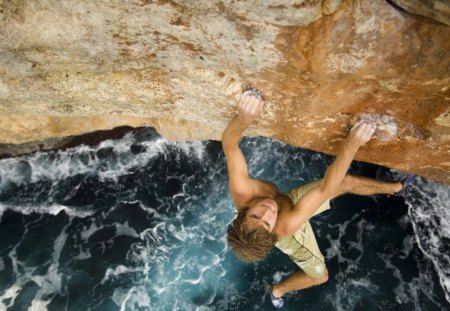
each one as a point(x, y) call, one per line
point(313, 199)
point(360, 134)
point(242, 187)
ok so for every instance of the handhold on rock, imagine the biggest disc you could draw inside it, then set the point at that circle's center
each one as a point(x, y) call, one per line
point(253, 90)
point(386, 125)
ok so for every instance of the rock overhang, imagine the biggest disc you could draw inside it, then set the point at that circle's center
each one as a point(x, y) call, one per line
point(78, 66)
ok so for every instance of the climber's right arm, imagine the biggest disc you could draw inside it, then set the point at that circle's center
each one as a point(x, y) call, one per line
point(242, 187)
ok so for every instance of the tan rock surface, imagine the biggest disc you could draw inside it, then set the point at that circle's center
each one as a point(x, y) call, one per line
point(435, 9)
point(71, 67)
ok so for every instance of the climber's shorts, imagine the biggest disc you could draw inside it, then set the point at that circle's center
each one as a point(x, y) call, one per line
point(302, 247)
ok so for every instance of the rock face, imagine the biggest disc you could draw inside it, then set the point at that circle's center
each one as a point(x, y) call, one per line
point(435, 9)
point(71, 67)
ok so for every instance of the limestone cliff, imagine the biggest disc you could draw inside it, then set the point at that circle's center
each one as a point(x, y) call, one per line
point(71, 67)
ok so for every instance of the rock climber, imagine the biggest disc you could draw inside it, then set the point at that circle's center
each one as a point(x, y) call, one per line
point(267, 217)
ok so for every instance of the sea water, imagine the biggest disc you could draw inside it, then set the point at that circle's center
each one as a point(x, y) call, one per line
point(139, 223)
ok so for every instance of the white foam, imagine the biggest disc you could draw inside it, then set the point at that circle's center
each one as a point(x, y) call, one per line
point(119, 295)
point(124, 229)
point(83, 160)
point(84, 254)
point(53, 209)
point(430, 214)
point(412, 292)
point(87, 232)
point(39, 305)
point(193, 149)
point(10, 293)
point(280, 275)
point(137, 297)
point(116, 271)
point(365, 284)
point(51, 282)
point(204, 308)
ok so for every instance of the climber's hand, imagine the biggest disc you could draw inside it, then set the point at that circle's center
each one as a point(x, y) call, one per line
point(250, 106)
point(360, 133)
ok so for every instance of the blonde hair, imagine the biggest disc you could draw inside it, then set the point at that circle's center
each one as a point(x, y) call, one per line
point(249, 244)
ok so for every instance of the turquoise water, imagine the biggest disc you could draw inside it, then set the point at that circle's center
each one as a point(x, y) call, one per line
point(139, 223)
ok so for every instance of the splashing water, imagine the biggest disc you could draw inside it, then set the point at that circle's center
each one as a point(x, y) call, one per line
point(430, 215)
point(139, 223)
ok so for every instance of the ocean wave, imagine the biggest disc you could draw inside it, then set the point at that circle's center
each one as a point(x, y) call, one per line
point(109, 160)
point(53, 209)
point(146, 230)
point(429, 210)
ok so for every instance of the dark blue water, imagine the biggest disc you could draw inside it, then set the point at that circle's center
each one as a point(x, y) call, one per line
point(140, 223)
